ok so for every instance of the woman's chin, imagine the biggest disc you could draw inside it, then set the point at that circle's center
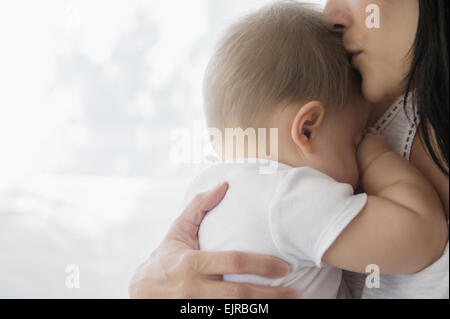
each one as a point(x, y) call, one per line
point(379, 89)
point(372, 93)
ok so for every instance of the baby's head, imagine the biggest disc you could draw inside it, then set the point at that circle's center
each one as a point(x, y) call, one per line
point(282, 68)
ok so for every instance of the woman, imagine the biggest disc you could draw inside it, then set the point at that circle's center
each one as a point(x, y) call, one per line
point(408, 53)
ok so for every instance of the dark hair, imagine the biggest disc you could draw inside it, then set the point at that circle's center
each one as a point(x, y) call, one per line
point(429, 79)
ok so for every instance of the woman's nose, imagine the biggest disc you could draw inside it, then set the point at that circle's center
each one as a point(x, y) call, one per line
point(337, 15)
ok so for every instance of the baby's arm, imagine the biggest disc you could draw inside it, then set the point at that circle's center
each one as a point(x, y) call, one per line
point(402, 229)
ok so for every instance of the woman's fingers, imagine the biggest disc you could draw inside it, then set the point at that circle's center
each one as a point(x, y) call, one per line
point(186, 227)
point(227, 290)
point(197, 264)
point(204, 203)
point(179, 269)
point(224, 263)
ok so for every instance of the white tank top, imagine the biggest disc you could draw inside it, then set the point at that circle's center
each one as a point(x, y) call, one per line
point(399, 126)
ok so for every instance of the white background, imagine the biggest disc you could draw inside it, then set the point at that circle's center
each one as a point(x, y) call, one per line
point(90, 93)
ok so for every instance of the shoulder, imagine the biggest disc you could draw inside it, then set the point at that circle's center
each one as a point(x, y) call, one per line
point(308, 211)
point(309, 182)
point(310, 199)
point(250, 179)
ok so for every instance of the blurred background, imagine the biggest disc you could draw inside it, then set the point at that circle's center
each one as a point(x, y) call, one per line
point(94, 96)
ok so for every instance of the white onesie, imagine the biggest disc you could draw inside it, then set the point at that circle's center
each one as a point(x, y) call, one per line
point(294, 214)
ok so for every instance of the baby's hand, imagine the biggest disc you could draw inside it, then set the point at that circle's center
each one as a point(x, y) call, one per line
point(373, 146)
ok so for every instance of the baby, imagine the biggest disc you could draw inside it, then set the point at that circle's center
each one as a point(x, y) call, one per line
point(281, 68)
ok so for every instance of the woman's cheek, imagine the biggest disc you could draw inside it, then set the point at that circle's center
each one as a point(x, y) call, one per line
point(383, 75)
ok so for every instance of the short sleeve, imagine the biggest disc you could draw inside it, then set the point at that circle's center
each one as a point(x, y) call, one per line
point(308, 212)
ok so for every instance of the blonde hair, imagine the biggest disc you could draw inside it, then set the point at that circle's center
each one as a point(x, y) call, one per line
point(281, 53)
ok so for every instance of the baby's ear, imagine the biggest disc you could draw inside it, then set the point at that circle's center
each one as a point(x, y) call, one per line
point(306, 124)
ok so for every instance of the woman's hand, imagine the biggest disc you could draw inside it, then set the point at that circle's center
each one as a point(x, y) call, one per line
point(178, 270)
